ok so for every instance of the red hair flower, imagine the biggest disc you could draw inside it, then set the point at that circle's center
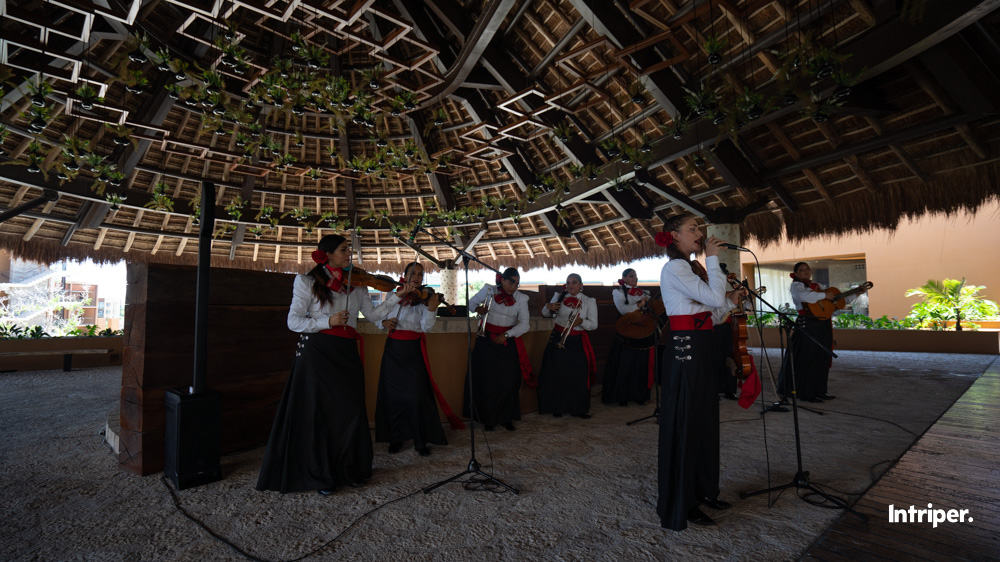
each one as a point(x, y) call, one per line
point(319, 256)
point(664, 239)
point(621, 282)
point(792, 275)
point(499, 278)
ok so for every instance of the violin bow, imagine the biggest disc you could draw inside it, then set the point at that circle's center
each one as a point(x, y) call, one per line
point(355, 246)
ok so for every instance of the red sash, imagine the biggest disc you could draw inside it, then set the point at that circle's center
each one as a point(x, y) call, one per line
point(751, 387)
point(588, 350)
point(522, 353)
point(350, 333)
point(688, 322)
point(409, 335)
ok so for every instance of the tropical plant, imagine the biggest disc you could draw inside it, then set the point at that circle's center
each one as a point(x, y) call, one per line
point(950, 299)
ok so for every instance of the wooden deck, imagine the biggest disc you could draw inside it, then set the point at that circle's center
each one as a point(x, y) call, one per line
point(954, 465)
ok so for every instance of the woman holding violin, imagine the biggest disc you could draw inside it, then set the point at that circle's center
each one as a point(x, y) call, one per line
point(689, 410)
point(405, 406)
point(499, 359)
point(628, 374)
point(569, 363)
point(320, 438)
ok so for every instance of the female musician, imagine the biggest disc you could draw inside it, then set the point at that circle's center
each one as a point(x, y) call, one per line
point(320, 437)
point(499, 360)
point(628, 374)
point(567, 369)
point(812, 364)
point(405, 406)
point(689, 413)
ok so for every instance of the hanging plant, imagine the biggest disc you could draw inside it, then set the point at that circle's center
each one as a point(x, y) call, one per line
point(162, 57)
point(373, 77)
point(576, 170)
point(122, 134)
point(116, 200)
point(635, 92)
point(563, 131)
point(440, 117)
point(751, 104)
point(235, 208)
point(136, 83)
point(161, 201)
point(590, 171)
point(610, 147)
point(38, 118)
point(38, 92)
point(94, 161)
point(714, 45)
point(702, 101)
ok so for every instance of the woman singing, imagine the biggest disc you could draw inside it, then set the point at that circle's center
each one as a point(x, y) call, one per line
point(499, 360)
point(405, 407)
point(689, 413)
point(628, 374)
point(320, 438)
point(564, 384)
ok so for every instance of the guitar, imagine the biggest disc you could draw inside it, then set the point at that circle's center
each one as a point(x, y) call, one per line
point(823, 310)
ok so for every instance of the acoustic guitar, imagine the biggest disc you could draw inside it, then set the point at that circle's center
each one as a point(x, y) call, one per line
point(824, 309)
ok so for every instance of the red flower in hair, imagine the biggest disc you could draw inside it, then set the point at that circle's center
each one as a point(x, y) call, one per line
point(319, 256)
point(621, 282)
point(792, 275)
point(664, 239)
point(499, 278)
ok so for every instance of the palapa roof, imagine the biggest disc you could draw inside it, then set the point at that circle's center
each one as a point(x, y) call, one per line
point(532, 132)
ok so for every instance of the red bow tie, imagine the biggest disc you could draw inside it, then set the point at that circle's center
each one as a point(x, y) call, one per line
point(815, 287)
point(336, 283)
point(502, 297)
point(635, 292)
point(571, 302)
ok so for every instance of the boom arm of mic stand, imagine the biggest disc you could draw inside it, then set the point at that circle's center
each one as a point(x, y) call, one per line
point(786, 320)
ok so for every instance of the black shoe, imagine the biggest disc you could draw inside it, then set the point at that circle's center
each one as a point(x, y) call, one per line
point(557, 414)
point(582, 416)
point(698, 517)
point(716, 503)
point(488, 427)
point(783, 401)
point(825, 396)
point(730, 396)
point(424, 452)
point(326, 491)
point(357, 484)
point(509, 426)
point(395, 447)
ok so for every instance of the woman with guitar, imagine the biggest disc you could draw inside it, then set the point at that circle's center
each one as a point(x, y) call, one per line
point(405, 406)
point(320, 439)
point(689, 412)
point(815, 306)
point(628, 373)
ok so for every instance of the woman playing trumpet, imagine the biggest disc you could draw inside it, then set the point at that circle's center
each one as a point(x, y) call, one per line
point(405, 406)
point(568, 364)
point(628, 374)
point(499, 360)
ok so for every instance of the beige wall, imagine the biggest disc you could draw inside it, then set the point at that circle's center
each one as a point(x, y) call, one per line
point(929, 247)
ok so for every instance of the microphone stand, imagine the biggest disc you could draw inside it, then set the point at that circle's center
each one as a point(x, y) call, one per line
point(801, 478)
point(656, 378)
point(473, 468)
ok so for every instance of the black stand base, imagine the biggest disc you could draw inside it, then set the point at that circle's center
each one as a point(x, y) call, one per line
point(775, 407)
point(655, 416)
point(801, 482)
point(474, 468)
point(193, 438)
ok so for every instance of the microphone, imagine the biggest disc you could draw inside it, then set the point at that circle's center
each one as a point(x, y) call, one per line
point(734, 247)
point(416, 229)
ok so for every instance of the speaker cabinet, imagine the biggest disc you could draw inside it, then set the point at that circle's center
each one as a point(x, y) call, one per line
point(193, 438)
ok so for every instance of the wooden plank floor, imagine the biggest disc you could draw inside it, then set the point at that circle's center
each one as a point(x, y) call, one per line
point(954, 465)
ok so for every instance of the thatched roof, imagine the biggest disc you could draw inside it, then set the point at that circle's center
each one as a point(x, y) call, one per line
point(533, 132)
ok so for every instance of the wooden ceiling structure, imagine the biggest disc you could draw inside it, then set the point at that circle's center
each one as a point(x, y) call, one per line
point(530, 132)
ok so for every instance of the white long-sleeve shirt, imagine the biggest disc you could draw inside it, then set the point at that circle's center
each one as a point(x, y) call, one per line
point(803, 294)
point(684, 293)
point(415, 318)
point(502, 315)
point(618, 296)
point(589, 312)
point(308, 315)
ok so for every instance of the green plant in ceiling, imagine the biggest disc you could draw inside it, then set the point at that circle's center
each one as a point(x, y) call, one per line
point(714, 45)
point(160, 201)
point(136, 82)
point(38, 91)
point(751, 104)
point(37, 117)
point(701, 101)
point(116, 199)
point(162, 57)
point(440, 117)
point(563, 131)
point(610, 147)
point(137, 44)
point(636, 93)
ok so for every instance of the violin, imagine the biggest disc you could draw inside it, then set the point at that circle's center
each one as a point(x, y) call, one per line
point(425, 293)
point(738, 323)
point(361, 278)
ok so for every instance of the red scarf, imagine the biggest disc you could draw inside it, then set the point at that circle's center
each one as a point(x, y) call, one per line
point(572, 302)
point(632, 291)
point(502, 297)
point(337, 279)
point(408, 335)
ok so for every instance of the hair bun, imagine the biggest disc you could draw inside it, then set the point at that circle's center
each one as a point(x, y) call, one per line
point(319, 256)
point(664, 239)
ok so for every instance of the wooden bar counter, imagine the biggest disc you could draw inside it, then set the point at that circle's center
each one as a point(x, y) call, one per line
point(447, 343)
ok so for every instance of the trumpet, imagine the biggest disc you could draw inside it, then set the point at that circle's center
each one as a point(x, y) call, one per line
point(482, 319)
point(569, 328)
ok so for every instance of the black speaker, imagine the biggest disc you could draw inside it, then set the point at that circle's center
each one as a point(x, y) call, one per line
point(194, 437)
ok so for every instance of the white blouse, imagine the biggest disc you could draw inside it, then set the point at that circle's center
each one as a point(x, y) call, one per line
point(308, 315)
point(502, 315)
point(684, 293)
point(803, 294)
point(589, 312)
point(415, 318)
point(618, 296)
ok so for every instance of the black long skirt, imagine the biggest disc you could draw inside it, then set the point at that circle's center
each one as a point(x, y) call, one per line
point(689, 427)
point(405, 407)
point(563, 383)
point(493, 398)
point(320, 437)
point(725, 380)
point(626, 373)
point(812, 365)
